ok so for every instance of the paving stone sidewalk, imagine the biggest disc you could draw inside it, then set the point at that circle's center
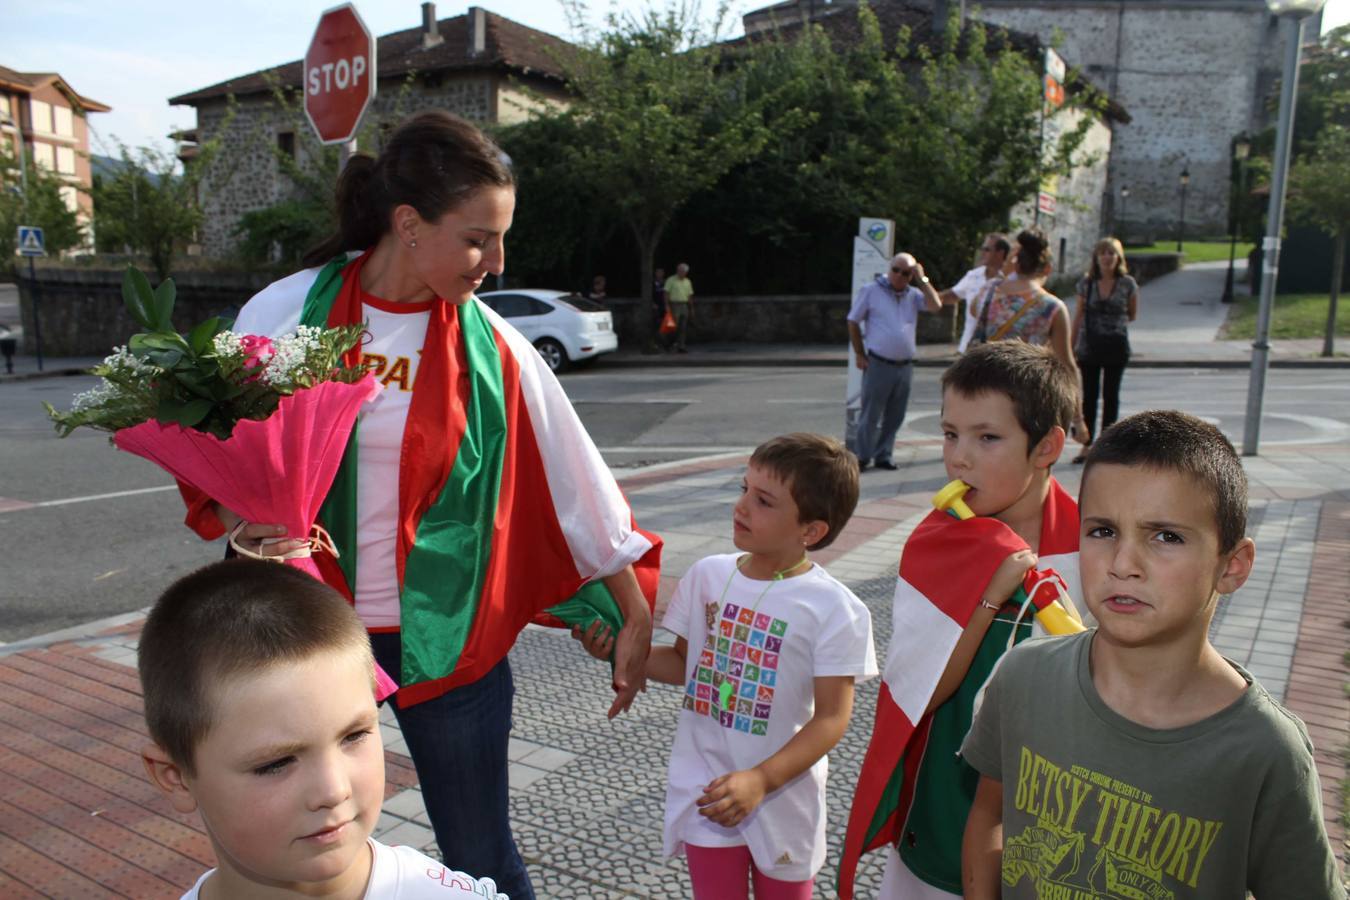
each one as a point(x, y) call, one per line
point(78, 819)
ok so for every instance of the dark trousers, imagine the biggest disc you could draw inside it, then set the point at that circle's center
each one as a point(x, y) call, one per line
point(458, 745)
point(1110, 393)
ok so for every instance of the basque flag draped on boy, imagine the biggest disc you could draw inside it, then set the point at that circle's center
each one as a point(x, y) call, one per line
point(944, 569)
point(494, 531)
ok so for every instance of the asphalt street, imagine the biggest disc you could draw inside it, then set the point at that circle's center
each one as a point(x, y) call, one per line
point(87, 531)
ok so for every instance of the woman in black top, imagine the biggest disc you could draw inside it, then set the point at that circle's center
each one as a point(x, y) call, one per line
point(1108, 300)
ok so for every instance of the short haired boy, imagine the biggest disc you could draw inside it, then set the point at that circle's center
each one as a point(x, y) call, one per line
point(1134, 760)
point(768, 648)
point(259, 698)
point(1005, 410)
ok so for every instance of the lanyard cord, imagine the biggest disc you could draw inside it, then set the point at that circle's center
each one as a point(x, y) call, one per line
point(724, 691)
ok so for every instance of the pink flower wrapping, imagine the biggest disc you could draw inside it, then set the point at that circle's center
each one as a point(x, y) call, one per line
point(278, 469)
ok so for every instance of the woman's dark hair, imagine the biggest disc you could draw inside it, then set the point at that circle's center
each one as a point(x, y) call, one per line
point(433, 162)
point(1033, 251)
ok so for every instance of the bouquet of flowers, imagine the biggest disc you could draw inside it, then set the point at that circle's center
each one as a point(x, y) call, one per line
point(258, 425)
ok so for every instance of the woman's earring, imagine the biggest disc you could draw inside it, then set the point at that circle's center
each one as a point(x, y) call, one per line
point(412, 243)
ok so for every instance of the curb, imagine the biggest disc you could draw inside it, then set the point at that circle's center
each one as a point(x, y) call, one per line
point(739, 362)
point(59, 372)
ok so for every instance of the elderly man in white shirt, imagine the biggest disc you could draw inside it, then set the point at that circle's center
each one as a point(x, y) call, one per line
point(975, 284)
point(890, 306)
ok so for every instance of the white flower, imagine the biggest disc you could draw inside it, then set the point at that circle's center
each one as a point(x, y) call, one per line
point(94, 397)
point(226, 344)
point(123, 363)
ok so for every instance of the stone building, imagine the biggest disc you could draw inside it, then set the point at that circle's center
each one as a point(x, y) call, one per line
point(1193, 74)
point(479, 65)
point(43, 121)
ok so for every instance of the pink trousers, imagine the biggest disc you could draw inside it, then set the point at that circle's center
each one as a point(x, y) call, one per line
point(725, 873)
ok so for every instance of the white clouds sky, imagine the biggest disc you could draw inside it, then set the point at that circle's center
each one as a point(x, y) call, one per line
point(135, 54)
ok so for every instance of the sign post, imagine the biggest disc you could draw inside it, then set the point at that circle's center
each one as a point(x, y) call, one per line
point(873, 247)
point(339, 77)
point(32, 244)
point(1052, 98)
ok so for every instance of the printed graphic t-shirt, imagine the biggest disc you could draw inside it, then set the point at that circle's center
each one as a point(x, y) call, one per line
point(401, 873)
point(1097, 806)
point(749, 687)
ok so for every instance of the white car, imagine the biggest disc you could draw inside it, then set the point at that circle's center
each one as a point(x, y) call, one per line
point(564, 328)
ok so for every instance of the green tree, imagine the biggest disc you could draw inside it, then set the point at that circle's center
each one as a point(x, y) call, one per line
point(655, 117)
point(43, 206)
point(1320, 194)
point(146, 205)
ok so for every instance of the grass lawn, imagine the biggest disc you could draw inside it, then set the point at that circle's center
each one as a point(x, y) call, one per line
point(1196, 251)
point(1294, 316)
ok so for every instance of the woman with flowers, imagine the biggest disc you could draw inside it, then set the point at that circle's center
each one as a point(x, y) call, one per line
point(470, 498)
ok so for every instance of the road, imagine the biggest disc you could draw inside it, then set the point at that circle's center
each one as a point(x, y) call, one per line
point(87, 531)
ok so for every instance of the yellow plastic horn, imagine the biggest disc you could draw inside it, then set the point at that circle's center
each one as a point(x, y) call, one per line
point(950, 499)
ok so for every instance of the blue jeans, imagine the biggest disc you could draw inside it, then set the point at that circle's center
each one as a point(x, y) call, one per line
point(458, 745)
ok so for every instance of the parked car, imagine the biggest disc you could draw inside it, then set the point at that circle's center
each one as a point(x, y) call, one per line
point(565, 328)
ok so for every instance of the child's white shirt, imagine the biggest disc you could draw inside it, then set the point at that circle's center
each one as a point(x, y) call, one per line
point(401, 873)
point(769, 641)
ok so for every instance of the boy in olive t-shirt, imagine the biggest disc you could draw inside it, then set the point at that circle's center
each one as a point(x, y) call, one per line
point(1133, 760)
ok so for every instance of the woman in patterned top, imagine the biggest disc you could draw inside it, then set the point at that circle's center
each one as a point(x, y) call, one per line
point(1017, 306)
point(1108, 300)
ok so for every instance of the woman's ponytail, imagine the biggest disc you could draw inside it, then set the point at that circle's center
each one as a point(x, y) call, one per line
point(359, 211)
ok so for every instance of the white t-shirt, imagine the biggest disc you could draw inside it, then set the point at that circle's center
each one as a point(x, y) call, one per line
point(401, 873)
point(393, 351)
point(769, 646)
point(971, 289)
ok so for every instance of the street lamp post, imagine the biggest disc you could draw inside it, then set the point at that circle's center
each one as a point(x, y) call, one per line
point(1294, 12)
point(1124, 196)
point(1184, 180)
point(1241, 147)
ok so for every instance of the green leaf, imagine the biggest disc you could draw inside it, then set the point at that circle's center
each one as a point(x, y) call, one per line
point(199, 338)
point(138, 297)
point(162, 305)
point(185, 414)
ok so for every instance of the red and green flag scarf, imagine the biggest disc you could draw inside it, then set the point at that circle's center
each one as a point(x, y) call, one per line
point(481, 550)
point(944, 568)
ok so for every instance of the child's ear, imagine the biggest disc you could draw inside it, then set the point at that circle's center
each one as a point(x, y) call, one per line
point(1237, 566)
point(166, 775)
point(1047, 452)
point(814, 532)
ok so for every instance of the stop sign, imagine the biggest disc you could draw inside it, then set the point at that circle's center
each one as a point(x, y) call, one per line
point(339, 74)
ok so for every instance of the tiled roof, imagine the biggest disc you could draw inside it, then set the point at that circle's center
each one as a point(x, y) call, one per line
point(30, 81)
point(508, 45)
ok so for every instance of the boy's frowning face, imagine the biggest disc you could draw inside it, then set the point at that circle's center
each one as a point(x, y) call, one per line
point(1149, 555)
point(290, 777)
point(984, 445)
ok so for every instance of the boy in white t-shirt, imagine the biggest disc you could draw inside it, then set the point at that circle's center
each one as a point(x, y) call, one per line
point(259, 697)
point(768, 646)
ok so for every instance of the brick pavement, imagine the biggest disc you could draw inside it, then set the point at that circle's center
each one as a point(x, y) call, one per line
point(78, 818)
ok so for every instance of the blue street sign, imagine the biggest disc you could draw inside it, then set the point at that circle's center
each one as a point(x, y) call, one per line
point(30, 241)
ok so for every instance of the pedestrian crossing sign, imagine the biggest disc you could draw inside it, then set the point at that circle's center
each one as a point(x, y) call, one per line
point(30, 241)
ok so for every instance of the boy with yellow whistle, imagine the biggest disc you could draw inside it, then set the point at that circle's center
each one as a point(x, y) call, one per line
point(960, 604)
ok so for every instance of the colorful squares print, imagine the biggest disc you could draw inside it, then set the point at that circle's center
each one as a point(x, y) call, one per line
point(738, 671)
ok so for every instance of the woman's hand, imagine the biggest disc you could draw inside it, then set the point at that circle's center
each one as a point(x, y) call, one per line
point(264, 540)
point(634, 642)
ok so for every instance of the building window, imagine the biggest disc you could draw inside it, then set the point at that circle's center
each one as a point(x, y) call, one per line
point(41, 115)
point(65, 121)
point(71, 196)
point(286, 143)
point(4, 106)
point(65, 160)
point(43, 155)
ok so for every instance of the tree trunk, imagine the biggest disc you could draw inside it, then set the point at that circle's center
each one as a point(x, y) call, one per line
point(647, 239)
point(1337, 268)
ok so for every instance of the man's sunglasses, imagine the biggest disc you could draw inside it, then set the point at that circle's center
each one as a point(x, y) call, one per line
point(904, 272)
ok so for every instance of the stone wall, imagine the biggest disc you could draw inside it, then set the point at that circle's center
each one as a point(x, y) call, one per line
point(1192, 74)
point(83, 315)
point(788, 319)
point(247, 175)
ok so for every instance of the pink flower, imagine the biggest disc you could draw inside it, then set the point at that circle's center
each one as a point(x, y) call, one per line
point(257, 350)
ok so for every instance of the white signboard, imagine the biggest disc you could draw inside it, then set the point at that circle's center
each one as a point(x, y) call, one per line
point(873, 247)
